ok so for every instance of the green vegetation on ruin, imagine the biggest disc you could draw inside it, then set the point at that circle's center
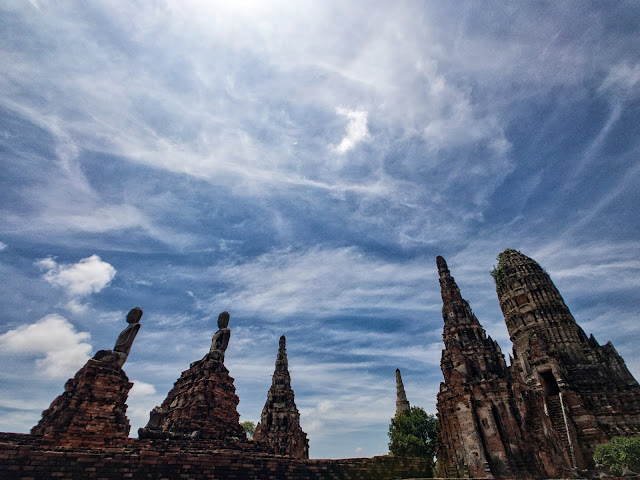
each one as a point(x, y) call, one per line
point(619, 453)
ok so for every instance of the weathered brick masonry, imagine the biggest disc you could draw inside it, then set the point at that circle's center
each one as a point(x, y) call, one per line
point(195, 433)
point(28, 457)
point(544, 414)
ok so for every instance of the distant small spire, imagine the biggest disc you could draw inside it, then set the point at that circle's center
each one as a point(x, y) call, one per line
point(402, 403)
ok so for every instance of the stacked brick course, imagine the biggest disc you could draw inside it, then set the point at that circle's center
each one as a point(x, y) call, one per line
point(587, 390)
point(201, 405)
point(25, 457)
point(92, 409)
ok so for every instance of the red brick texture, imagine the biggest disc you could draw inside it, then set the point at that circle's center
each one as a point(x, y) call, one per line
point(29, 457)
point(92, 409)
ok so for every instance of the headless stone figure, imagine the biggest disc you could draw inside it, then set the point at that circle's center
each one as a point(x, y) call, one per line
point(220, 339)
point(122, 348)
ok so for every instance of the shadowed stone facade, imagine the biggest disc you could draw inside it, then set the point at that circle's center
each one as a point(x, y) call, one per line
point(279, 424)
point(202, 405)
point(543, 415)
point(587, 390)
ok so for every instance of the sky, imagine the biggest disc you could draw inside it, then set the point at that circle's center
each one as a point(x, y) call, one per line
point(300, 165)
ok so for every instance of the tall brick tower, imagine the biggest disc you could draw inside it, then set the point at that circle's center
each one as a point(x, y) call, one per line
point(587, 390)
point(280, 420)
point(481, 434)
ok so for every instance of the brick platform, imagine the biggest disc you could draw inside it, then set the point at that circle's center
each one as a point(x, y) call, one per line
point(24, 457)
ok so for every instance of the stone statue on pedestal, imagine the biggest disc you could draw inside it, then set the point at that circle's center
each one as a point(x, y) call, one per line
point(122, 348)
point(220, 339)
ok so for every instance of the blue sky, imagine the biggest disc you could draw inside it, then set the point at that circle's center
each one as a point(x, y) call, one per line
point(301, 164)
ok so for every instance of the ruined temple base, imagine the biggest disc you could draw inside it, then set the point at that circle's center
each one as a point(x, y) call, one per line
point(92, 409)
point(27, 456)
point(202, 406)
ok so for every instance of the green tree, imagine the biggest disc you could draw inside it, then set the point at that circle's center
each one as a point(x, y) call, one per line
point(620, 452)
point(249, 428)
point(413, 433)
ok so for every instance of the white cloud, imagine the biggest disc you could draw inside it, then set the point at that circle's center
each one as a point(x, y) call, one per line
point(65, 350)
point(89, 275)
point(141, 389)
point(356, 129)
point(76, 307)
point(2, 246)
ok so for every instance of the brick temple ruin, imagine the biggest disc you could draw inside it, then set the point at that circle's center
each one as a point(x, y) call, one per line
point(279, 425)
point(543, 415)
point(195, 433)
point(539, 417)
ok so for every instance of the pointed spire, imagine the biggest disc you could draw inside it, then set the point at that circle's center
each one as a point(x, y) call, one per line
point(402, 403)
point(463, 333)
point(448, 287)
point(282, 366)
point(456, 311)
point(279, 424)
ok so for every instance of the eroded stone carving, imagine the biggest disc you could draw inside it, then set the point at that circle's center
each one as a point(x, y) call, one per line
point(126, 337)
point(220, 339)
point(121, 350)
point(202, 405)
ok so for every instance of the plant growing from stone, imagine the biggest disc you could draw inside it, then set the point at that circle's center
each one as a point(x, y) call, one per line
point(619, 453)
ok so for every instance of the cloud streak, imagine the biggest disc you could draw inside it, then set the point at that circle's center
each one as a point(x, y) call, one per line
point(321, 280)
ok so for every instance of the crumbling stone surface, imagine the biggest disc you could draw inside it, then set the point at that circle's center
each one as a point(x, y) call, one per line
point(483, 423)
point(544, 414)
point(202, 405)
point(279, 424)
point(92, 409)
point(587, 390)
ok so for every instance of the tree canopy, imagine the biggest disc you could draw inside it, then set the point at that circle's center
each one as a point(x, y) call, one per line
point(249, 428)
point(619, 453)
point(413, 433)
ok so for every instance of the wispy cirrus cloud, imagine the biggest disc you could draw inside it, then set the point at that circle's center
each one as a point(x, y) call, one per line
point(198, 143)
point(323, 280)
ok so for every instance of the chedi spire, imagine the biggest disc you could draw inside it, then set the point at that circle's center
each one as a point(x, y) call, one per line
point(280, 420)
point(402, 403)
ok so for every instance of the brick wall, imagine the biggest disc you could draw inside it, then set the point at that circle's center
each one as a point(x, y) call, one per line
point(25, 457)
